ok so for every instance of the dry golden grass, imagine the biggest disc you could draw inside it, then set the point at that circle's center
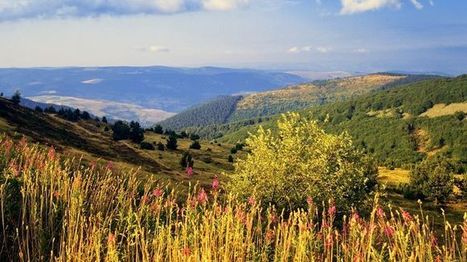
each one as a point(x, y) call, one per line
point(55, 209)
point(311, 92)
point(444, 110)
point(393, 177)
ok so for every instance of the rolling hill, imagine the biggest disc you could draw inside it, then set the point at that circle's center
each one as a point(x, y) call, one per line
point(291, 98)
point(399, 125)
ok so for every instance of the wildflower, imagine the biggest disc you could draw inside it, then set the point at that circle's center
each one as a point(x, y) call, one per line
point(51, 153)
point(109, 165)
point(434, 241)
point(186, 251)
point(56, 194)
point(144, 199)
point(380, 213)
point(252, 200)
point(389, 231)
point(111, 238)
point(189, 171)
point(157, 192)
point(215, 183)
point(332, 210)
point(406, 216)
point(270, 235)
point(273, 218)
point(355, 216)
point(202, 197)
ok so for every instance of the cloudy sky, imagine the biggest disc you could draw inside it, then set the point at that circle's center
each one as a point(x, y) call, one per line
point(320, 35)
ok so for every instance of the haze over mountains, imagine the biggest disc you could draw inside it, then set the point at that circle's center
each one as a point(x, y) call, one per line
point(146, 94)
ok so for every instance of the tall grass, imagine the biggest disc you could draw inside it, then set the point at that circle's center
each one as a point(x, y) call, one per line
point(54, 208)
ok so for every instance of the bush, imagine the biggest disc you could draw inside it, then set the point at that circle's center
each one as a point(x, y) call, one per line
point(230, 159)
point(147, 146)
point(195, 145)
point(433, 178)
point(158, 129)
point(301, 162)
point(160, 146)
point(172, 142)
point(186, 160)
point(233, 150)
point(38, 109)
point(121, 131)
point(194, 137)
point(136, 132)
point(16, 97)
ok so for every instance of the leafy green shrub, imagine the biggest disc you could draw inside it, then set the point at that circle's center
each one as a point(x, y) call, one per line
point(160, 146)
point(433, 178)
point(301, 162)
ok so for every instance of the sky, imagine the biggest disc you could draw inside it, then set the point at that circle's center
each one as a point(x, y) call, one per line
point(318, 35)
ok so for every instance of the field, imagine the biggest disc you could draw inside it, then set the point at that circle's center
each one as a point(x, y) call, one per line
point(62, 210)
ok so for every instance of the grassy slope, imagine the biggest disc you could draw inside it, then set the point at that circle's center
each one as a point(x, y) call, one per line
point(85, 139)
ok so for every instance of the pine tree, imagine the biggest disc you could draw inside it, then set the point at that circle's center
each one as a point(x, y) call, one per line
point(172, 142)
point(16, 98)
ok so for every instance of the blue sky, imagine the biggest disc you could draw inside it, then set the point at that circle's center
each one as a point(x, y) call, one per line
point(319, 35)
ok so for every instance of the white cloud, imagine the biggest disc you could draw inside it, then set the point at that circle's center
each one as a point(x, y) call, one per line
point(359, 6)
point(431, 2)
point(16, 9)
point(361, 50)
point(296, 49)
point(92, 81)
point(223, 5)
point(417, 4)
point(323, 49)
point(153, 49)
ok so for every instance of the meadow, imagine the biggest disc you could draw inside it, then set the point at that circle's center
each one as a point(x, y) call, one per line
point(61, 209)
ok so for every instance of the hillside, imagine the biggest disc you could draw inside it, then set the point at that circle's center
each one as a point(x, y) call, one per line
point(291, 98)
point(399, 125)
point(92, 141)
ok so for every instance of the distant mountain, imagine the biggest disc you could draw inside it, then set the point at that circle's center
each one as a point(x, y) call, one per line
point(291, 98)
point(163, 88)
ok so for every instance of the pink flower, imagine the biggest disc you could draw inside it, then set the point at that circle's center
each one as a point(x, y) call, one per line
point(189, 171)
point(380, 212)
point(252, 200)
point(157, 192)
point(215, 183)
point(389, 231)
point(355, 216)
point(51, 153)
point(109, 165)
point(332, 210)
point(202, 197)
point(406, 216)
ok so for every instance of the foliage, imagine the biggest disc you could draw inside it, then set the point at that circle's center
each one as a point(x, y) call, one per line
point(212, 112)
point(147, 146)
point(195, 145)
point(433, 178)
point(136, 133)
point(121, 130)
point(16, 97)
point(186, 160)
point(230, 159)
point(160, 146)
point(172, 142)
point(301, 162)
point(158, 129)
point(56, 209)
